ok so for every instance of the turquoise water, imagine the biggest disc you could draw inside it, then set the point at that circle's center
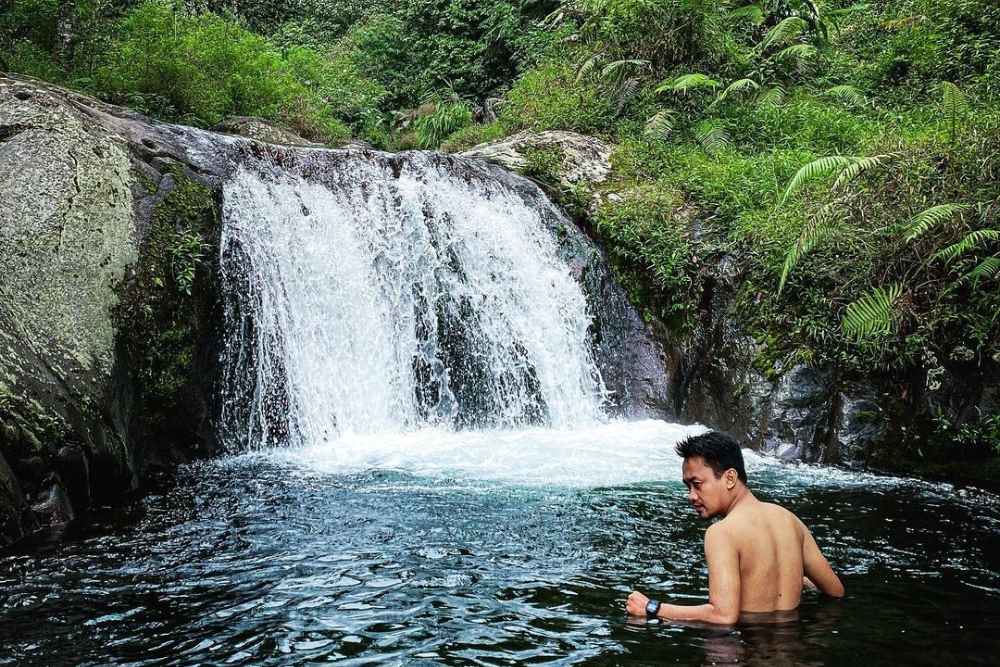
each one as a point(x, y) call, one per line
point(284, 559)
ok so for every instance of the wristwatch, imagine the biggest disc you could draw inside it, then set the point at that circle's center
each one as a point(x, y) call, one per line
point(652, 608)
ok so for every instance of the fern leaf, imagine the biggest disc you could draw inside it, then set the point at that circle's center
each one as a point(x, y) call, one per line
point(874, 314)
point(786, 30)
point(815, 170)
point(812, 233)
point(988, 268)
point(856, 168)
point(626, 93)
point(612, 69)
point(953, 100)
point(929, 218)
point(847, 94)
point(772, 97)
point(588, 65)
point(738, 86)
point(688, 82)
point(971, 240)
point(661, 124)
point(712, 136)
point(796, 52)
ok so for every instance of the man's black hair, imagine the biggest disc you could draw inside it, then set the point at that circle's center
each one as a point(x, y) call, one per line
point(719, 451)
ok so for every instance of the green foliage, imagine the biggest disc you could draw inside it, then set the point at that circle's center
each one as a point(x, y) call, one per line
point(647, 234)
point(874, 314)
point(465, 138)
point(416, 48)
point(431, 130)
point(202, 67)
point(548, 97)
point(543, 164)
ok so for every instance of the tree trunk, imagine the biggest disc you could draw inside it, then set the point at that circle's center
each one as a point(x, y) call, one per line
point(65, 33)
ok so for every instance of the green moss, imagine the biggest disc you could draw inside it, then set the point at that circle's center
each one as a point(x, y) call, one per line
point(160, 312)
point(647, 233)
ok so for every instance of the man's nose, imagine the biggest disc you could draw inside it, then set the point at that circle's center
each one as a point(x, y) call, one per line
point(692, 496)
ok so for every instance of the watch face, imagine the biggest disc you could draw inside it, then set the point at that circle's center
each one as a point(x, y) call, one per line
point(652, 607)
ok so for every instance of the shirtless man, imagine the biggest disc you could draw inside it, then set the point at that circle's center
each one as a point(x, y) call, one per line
point(759, 555)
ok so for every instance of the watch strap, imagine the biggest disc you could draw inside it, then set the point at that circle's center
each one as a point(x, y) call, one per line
point(652, 608)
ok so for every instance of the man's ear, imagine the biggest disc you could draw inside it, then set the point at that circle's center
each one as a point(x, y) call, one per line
point(731, 477)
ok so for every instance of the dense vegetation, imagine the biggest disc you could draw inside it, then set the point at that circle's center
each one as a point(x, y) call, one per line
point(848, 154)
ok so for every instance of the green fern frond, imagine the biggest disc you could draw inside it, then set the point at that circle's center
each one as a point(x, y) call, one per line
point(971, 240)
point(796, 52)
point(856, 168)
point(588, 65)
point(753, 13)
point(786, 30)
point(988, 268)
point(874, 314)
point(772, 97)
point(953, 101)
point(626, 93)
point(812, 233)
point(847, 94)
point(688, 82)
point(712, 136)
point(661, 124)
point(815, 170)
point(738, 86)
point(613, 69)
point(929, 218)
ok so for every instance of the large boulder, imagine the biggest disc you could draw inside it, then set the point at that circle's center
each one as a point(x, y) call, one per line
point(579, 159)
point(94, 202)
point(259, 129)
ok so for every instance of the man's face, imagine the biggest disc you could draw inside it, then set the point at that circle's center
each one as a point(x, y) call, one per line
point(706, 492)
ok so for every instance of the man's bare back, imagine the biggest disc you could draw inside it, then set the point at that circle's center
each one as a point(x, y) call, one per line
point(759, 556)
point(773, 548)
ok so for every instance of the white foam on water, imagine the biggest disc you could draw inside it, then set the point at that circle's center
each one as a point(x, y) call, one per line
point(607, 454)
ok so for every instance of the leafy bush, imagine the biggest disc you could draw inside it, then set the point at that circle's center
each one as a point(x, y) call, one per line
point(647, 234)
point(432, 129)
point(202, 67)
point(472, 48)
point(549, 97)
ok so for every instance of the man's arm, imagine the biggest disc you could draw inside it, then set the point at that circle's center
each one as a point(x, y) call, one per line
point(816, 568)
point(723, 605)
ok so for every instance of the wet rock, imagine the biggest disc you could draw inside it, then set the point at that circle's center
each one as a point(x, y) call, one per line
point(16, 519)
point(55, 508)
point(585, 160)
point(83, 186)
point(262, 130)
point(861, 424)
point(74, 470)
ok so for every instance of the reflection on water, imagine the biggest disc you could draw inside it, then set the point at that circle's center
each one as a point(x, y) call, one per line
point(267, 561)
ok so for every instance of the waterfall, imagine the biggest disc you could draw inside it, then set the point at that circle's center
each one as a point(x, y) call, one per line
point(376, 296)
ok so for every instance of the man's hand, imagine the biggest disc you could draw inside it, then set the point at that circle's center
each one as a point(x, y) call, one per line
point(636, 605)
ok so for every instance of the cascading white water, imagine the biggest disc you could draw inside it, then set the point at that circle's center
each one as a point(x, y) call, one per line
point(386, 302)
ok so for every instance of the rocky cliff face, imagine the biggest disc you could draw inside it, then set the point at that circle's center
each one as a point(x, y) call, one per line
point(95, 201)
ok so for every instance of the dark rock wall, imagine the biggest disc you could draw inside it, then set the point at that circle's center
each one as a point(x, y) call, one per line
point(817, 414)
